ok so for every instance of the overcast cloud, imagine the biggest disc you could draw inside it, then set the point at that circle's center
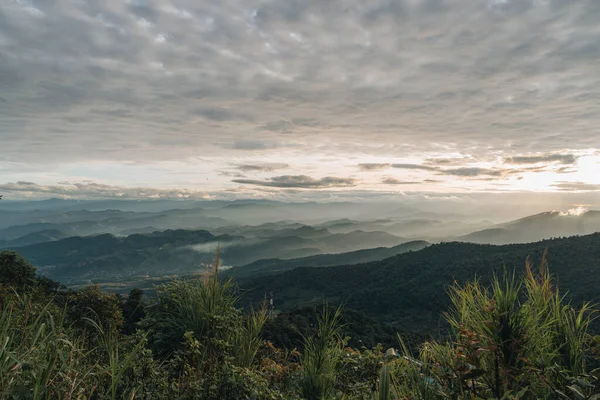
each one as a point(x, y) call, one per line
point(174, 94)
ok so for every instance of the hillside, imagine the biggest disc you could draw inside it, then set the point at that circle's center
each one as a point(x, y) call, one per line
point(79, 259)
point(49, 235)
point(109, 258)
point(275, 265)
point(409, 290)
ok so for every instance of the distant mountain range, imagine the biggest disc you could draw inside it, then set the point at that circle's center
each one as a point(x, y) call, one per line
point(536, 227)
point(83, 223)
point(91, 241)
point(107, 257)
point(49, 235)
point(89, 258)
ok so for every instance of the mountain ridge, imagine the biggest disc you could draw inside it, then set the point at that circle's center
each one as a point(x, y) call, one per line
point(392, 290)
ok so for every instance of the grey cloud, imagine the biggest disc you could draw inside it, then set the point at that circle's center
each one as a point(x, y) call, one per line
point(116, 112)
point(300, 181)
point(576, 186)
point(565, 170)
point(378, 166)
point(158, 81)
point(394, 181)
point(288, 126)
point(415, 166)
point(449, 161)
point(219, 114)
point(262, 167)
point(277, 126)
point(465, 171)
point(534, 159)
point(250, 144)
point(253, 60)
point(232, 174)
point(88, 190)
point(373, 166)
point(472, 172)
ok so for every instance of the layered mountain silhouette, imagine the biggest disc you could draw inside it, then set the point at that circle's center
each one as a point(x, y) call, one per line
point(541, 226)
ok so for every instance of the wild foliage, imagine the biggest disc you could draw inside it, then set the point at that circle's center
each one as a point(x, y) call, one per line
point(513, 337)
point(516, 339)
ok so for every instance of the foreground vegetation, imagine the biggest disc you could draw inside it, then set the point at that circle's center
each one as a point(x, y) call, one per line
point(514, 338)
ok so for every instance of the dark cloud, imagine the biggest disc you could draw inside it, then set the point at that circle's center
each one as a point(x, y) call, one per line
point(252, 144)
point(289, 126)
point(576, 186)
point(472, 172)
point(415, 166)
point(373, 166)
point(262, 167)
point(219, 114)
point(462, 171)
point(394, 181)
point(444, 162)
point(300, 181)
point(535, 159)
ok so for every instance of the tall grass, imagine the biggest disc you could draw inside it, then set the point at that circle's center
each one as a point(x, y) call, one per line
point(38, 358)
point(516, 338)
point(321, 356)
point(246, 339)
point(117, 362)
point(206, 310)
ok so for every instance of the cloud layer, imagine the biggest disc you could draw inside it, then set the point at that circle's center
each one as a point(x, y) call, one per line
point(450, 88)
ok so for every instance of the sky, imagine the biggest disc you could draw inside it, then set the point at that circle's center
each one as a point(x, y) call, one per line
point(299, 99)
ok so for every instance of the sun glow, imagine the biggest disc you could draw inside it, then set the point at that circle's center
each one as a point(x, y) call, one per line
point(575, 212)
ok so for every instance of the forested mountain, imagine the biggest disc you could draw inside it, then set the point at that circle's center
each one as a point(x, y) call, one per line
point(410, 290)
point(275, 265)
point(79, 259)
point(109, 258)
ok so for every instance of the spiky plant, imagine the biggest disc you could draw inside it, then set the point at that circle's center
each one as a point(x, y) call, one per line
point(39, 359)
point(515, 333)
point(321, 356)
point(246, 339)
point(385, 385)
point(118, 363)
point(190, 306)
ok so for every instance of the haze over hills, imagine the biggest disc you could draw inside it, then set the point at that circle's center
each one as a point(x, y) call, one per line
point(105, 256)
point(541, 226)
point(261, 217)
point(144, 239)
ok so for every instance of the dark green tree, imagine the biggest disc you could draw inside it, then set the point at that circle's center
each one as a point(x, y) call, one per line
point(102, 308)
point(15, 271)
point(133, 310)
